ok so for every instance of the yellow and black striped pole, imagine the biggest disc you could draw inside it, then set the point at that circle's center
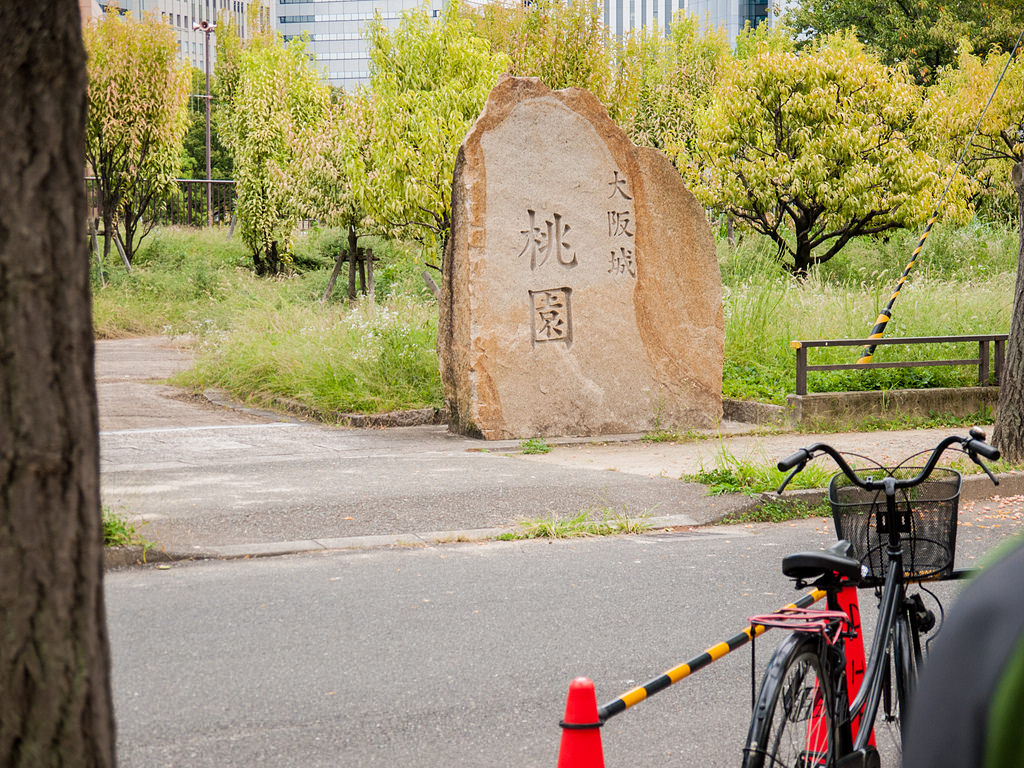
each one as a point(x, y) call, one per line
point(886, 314)
point(686, 669)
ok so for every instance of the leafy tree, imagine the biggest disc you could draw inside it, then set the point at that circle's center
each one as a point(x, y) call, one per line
point(923, 34)
point(430, 80)
point(331, 169)
point(662, 84)
point(815, 148)
point(231, 43)
point(138, 100)
point(566, 45)
point(276, 96)
point(953, 109)
point(56, 708)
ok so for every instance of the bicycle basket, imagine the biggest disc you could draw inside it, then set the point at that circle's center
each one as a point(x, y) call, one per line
point(926, 520)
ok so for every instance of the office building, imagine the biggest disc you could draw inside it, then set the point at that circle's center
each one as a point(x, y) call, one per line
point(732, 15)
point(336, 30)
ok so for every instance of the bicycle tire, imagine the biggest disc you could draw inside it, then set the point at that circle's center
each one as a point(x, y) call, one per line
point(904, 663)
point(794, 721)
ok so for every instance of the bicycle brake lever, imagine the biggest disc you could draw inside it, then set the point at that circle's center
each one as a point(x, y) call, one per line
point(980, 463)
point(793, 473)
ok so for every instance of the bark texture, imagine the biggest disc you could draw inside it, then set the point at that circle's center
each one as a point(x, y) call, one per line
point(54, 657)
point(1008, 435)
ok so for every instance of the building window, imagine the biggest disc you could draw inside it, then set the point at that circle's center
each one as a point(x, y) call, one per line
point(309, 19)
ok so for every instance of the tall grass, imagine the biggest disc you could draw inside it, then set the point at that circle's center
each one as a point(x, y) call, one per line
point(369, 359)
point(962, 284)
point(267, 338)
point(262, 338)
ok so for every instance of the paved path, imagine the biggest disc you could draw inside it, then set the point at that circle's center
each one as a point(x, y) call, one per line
point(455, 655)
point(219, 481)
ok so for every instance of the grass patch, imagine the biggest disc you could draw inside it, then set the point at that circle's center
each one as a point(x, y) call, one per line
point(900, 421)
point(267, 338)
point(119, 532)
point(732, 474)
point(370, 359)
point(963, 284)
point(673, 436)
point(583, 524)
point(534, 445)
point(264, 338)
point(779, 511)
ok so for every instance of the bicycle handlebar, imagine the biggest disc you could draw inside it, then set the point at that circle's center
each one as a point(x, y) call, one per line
point(973, 446)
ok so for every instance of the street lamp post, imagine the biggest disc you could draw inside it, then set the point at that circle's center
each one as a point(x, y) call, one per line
point(206, 28)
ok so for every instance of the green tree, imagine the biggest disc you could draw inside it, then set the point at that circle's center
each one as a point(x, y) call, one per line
point(430, 79)
point(952, 110)
point(331, 170)
point(138, 109)
point(923, 34)
point(664, 83)
point(56, 708)
point(814, 148)
point(276, 96)
point(566, 45)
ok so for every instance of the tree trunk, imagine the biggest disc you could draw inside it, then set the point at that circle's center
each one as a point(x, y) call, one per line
point(353, 252)
point(54, 656)
point(268, 263)
point(108, 238)
point(801, 256)
point(1008, 435)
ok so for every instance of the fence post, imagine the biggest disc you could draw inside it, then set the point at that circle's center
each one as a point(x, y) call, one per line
point(362, 270)
point(999, 359)
point(983, 358)
point(801, 367)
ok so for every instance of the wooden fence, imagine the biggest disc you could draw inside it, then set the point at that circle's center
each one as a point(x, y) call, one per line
point(987, 374)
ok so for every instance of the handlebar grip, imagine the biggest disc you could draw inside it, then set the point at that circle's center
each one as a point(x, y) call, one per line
point(793, 459)
point(986, 450)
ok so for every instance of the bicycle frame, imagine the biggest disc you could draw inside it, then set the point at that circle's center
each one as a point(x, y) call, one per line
point(866, 676)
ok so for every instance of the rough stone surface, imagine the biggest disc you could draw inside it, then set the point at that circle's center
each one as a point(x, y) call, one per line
point(581, 291)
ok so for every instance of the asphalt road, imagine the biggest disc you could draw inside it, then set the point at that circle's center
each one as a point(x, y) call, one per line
point(455, 655)
point(427, 655)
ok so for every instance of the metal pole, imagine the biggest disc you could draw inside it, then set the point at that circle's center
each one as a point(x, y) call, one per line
point(209, 171)
point(206, 28)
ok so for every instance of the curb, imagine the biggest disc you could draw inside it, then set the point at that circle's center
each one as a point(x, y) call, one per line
point(122, 557)
point(975, 487)
point(411, 418)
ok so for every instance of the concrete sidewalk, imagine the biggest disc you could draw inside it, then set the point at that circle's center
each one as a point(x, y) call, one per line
point(214, 481)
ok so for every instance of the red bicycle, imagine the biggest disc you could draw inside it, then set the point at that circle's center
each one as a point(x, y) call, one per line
point(820, 697)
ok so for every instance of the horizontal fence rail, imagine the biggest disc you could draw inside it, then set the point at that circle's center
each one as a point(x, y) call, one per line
point(184, 202)
point(986, 342)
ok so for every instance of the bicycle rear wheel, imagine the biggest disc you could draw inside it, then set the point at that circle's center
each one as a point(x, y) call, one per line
point(794, 720)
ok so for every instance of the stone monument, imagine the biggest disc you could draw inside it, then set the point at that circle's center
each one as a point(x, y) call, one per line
point(581, 293)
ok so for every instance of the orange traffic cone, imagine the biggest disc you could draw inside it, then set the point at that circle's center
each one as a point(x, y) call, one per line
point(581, 737)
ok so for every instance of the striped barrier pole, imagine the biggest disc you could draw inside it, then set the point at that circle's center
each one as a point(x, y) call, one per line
point(886, 314)
point(686, 669)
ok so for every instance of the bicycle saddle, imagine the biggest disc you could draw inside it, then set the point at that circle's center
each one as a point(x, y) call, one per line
point(835, 559)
